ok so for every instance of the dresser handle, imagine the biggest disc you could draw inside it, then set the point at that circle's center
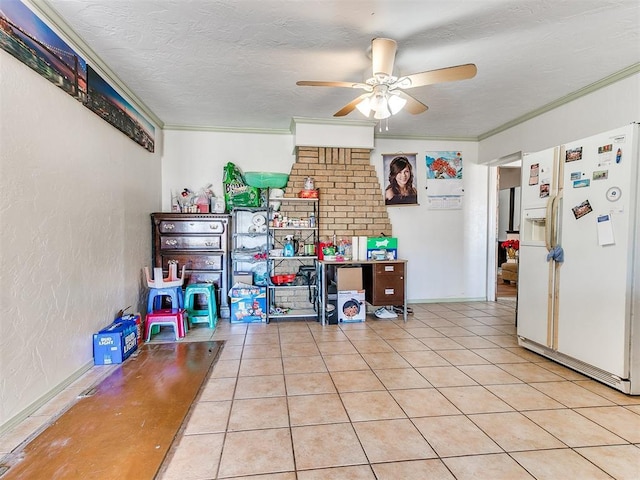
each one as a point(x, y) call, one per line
point(215, 226)
point(171, 243)
point(209, 244)
point(169, 226)
point(210, 262)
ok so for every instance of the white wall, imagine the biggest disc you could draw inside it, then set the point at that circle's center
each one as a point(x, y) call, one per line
point(605, 109)
point(76, 197)
point(193, 159)
point(446, 249)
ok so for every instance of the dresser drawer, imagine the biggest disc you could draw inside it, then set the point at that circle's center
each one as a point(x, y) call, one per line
point(176, 242)
point(197, 276)
point(193, 226)
point(192, 261)
point(385, 268)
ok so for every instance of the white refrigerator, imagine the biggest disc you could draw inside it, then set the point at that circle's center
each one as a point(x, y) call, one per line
point(579, 258)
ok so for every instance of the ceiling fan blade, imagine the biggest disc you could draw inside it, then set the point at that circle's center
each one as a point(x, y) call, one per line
point(413, 106)
point(350, 107)
point(449, 74)
point(311, 83)
point(383, 54)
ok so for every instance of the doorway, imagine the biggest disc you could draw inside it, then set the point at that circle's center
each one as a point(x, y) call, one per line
point(508, 228)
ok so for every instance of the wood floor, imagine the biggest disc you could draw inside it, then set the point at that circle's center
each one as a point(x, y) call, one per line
point(137, 409)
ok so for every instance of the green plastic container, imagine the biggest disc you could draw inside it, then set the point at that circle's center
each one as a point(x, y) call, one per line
point(266, 179)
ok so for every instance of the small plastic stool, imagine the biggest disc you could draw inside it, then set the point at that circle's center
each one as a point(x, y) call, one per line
point(171, 317)
point(208, 315)
point(154, 301)
point(158, 281)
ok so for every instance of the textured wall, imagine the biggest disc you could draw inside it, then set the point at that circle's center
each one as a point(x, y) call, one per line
point(74, 217)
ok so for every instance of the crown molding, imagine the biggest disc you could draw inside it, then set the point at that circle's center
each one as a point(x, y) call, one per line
point(425, 137)
point(51, 16)
point(605, 82)
point(204, 128)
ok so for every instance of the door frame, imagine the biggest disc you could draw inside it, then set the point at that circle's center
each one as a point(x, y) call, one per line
point(492, 220)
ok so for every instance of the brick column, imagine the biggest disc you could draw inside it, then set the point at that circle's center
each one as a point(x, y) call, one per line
point(351, 199)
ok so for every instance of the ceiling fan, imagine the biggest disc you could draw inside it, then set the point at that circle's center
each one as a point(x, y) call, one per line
point(384, 94)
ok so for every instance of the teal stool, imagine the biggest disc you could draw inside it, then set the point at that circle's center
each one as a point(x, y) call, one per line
point(208, 315)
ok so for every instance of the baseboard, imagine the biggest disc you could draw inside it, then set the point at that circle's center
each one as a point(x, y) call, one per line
point(447, 300)
point(31, 409)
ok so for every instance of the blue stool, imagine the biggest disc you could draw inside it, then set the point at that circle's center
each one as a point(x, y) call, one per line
point(208, 315)
point(154, 301)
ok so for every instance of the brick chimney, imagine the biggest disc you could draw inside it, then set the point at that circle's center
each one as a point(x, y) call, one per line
point(351, 199)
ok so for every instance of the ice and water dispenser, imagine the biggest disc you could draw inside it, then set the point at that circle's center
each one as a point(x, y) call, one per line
point(532, 230)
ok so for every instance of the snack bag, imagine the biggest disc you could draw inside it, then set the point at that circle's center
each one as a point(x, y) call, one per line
point(236, 191)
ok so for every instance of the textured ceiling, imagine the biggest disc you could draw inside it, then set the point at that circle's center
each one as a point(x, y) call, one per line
point(234, 63)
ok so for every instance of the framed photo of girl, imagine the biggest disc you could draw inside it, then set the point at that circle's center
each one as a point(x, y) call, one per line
point(400, 179)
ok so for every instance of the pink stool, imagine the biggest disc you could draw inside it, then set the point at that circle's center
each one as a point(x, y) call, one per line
point(173, 317)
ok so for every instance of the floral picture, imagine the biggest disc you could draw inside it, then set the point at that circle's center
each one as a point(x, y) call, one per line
point(444, 165)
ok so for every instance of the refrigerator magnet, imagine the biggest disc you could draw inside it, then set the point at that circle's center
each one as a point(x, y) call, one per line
point(544, 190)
point(534, 173)
point(601, 174)
point(613, 194)
point(573, 154)
point(605, 230)
point(585, 182)
point(581, 210)
point(605, 154)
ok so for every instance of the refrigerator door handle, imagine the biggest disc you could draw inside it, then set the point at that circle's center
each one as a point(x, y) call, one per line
point(555, 219)
point(549, 229)
point(551, 236)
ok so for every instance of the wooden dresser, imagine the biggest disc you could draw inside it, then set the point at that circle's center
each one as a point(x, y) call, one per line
point(201, 242)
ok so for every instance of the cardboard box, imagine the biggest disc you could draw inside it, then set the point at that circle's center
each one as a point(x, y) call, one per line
point(349, 278)
point(243, 277)
point(351, 306)
point(391, 254)
point(382, 243)
point(115, 343)
point(382, 248)
point(248, 303)
point(139, 326)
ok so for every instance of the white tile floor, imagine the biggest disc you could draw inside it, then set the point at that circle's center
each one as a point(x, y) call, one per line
point(448, 395)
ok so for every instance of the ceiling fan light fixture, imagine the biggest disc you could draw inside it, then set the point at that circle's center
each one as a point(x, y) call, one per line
point(365, 106)
point(396, 103)
point(379, 102)
point(382, 114)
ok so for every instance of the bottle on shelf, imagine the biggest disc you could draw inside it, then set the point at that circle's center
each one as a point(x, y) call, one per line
point(287, 249)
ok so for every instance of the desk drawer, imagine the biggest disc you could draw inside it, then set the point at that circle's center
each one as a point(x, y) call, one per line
point(388, 291)
point(388, 268)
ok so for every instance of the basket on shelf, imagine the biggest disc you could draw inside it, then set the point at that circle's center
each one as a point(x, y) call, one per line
point(266, 179)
